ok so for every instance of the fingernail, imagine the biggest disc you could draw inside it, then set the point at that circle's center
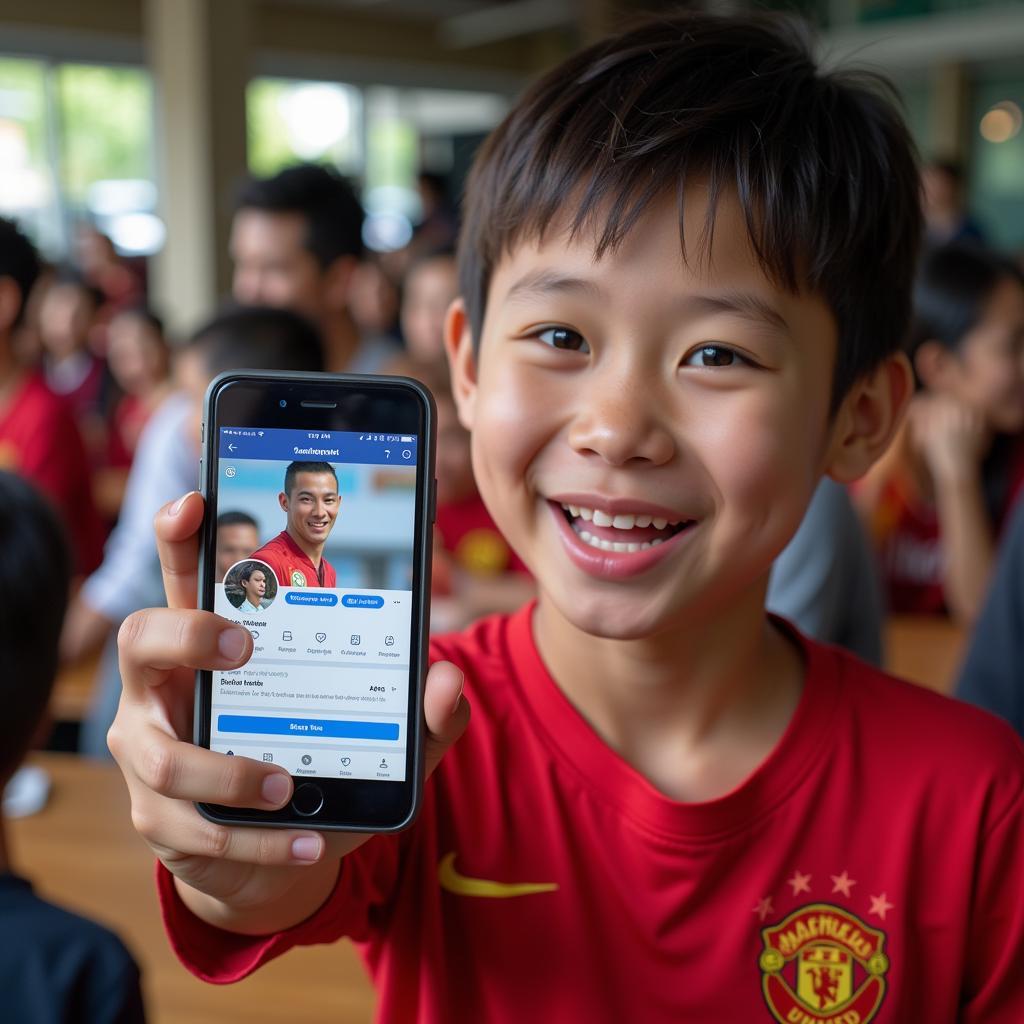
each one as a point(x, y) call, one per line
point(307, 848)
point(458, 696)
point(179, 504)
point(276, 788)
point(231, 643)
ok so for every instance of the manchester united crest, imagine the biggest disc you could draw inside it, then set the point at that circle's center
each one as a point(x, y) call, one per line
point(823, 965)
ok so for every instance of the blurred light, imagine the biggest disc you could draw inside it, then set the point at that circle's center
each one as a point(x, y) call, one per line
point(1002, 122)
point(137, 234)
point(386, 231)
point(317, 117)
point(111, 197)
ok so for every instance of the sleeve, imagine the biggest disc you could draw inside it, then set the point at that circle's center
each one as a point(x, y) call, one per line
point(359, 902)
point(991, 676)
point(994, 991)
point(825, 577)
point(159, 474)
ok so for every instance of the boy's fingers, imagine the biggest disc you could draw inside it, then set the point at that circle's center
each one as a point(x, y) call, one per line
point(177, 541)
point(154, 642)
point(180, 831)
point(182, 771)
point(445, 709)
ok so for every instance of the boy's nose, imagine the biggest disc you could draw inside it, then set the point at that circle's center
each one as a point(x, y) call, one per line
point(620, 424)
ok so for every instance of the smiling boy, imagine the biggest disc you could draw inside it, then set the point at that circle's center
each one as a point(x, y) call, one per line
point(685, 271)
point(311, 503)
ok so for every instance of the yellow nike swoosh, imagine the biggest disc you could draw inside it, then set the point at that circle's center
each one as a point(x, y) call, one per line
point(451, 880)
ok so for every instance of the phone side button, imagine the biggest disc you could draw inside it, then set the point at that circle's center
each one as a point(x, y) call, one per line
point(307, 800)
point(433, 502)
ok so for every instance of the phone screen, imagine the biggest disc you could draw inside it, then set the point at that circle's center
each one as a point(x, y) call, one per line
point(314, 555)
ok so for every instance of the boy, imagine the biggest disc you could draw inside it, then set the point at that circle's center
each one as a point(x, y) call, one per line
point(311, 503)
point(668, 806)
point(54, 965)
point(253, 581)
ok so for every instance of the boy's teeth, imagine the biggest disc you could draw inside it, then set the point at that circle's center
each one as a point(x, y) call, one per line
point(622, 521)
point(615, 545)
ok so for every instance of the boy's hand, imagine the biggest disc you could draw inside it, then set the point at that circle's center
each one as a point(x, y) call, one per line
point(243, 871)
point(951, 435)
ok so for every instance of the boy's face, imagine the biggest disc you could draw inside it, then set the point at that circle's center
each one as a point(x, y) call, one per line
point(639, 390)
point(255, 587)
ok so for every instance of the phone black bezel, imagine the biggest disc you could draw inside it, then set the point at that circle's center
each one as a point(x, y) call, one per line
point(371, 404)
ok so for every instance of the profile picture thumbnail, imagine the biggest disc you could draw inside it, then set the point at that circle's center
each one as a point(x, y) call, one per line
point(250, 586)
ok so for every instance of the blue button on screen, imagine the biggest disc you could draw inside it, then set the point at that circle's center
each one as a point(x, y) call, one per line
point(308, 727)
point(363, 601)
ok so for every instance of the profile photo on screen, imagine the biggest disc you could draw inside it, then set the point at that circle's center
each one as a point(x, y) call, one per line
point(251, 586)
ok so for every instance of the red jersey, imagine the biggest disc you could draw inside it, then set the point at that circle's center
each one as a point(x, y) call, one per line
point(39, 440)
point(469, 535)
point(868, 871)
point(292, 566)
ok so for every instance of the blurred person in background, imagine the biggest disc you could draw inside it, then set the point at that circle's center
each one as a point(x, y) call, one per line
point(120, 283)
point(431, 284)
point(165, 466)
point(373, 302)
point(39, 437)
point(937, 499)
point(67, 317)
point(944, 205)
point(238, 536)
point(296, 243)
point(55, 965)
point(139, 361)
point(993, 672)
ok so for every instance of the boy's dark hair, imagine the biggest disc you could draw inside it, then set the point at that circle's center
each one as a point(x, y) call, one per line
point(236, 519)
point(259, 338)
point(821, 164)
point(35, 572)
point(18, 260)
point(247, 569)
point(334, 216)
point(295, 468)
point(954, 282)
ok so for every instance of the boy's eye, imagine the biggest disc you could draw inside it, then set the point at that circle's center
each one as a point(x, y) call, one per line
point(713, 355)
point(563, 337)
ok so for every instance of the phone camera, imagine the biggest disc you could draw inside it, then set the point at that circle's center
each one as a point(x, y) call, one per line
point(283, 402)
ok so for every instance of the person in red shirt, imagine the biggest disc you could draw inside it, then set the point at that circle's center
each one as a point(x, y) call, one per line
point(311, 502)
point(39, 438)
point(685, 268)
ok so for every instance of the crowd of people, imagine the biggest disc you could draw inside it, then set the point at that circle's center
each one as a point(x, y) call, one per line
point(100, 410)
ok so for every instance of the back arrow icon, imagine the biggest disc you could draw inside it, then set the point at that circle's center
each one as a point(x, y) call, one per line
point(231, 447)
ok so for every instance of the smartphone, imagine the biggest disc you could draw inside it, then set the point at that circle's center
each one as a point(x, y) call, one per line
point(319, 508)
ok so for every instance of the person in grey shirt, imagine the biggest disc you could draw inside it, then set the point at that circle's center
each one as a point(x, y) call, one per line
point(826, 581)
point(993, 673)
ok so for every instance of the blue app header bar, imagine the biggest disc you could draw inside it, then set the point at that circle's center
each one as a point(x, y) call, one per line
point(317, 446)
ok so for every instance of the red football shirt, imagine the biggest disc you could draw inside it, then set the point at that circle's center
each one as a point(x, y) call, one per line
point(869, 870)
point(292, 566)
point(39, 440)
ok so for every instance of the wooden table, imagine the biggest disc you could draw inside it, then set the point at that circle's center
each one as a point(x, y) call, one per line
point(73, 689)
point(926, 650)
point(82, 851)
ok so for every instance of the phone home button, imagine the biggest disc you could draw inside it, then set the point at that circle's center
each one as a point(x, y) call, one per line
point(308, 799)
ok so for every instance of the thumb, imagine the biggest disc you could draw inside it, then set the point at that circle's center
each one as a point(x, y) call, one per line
point(445, 709)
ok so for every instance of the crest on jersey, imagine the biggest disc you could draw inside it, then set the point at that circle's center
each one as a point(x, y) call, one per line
point(298, 578)
point(823, 965)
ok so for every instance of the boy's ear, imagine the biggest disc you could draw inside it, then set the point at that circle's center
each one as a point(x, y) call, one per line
point(458, 344)
point(868, 418)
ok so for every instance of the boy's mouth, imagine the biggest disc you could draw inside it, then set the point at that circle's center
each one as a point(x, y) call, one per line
point(622, 532)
